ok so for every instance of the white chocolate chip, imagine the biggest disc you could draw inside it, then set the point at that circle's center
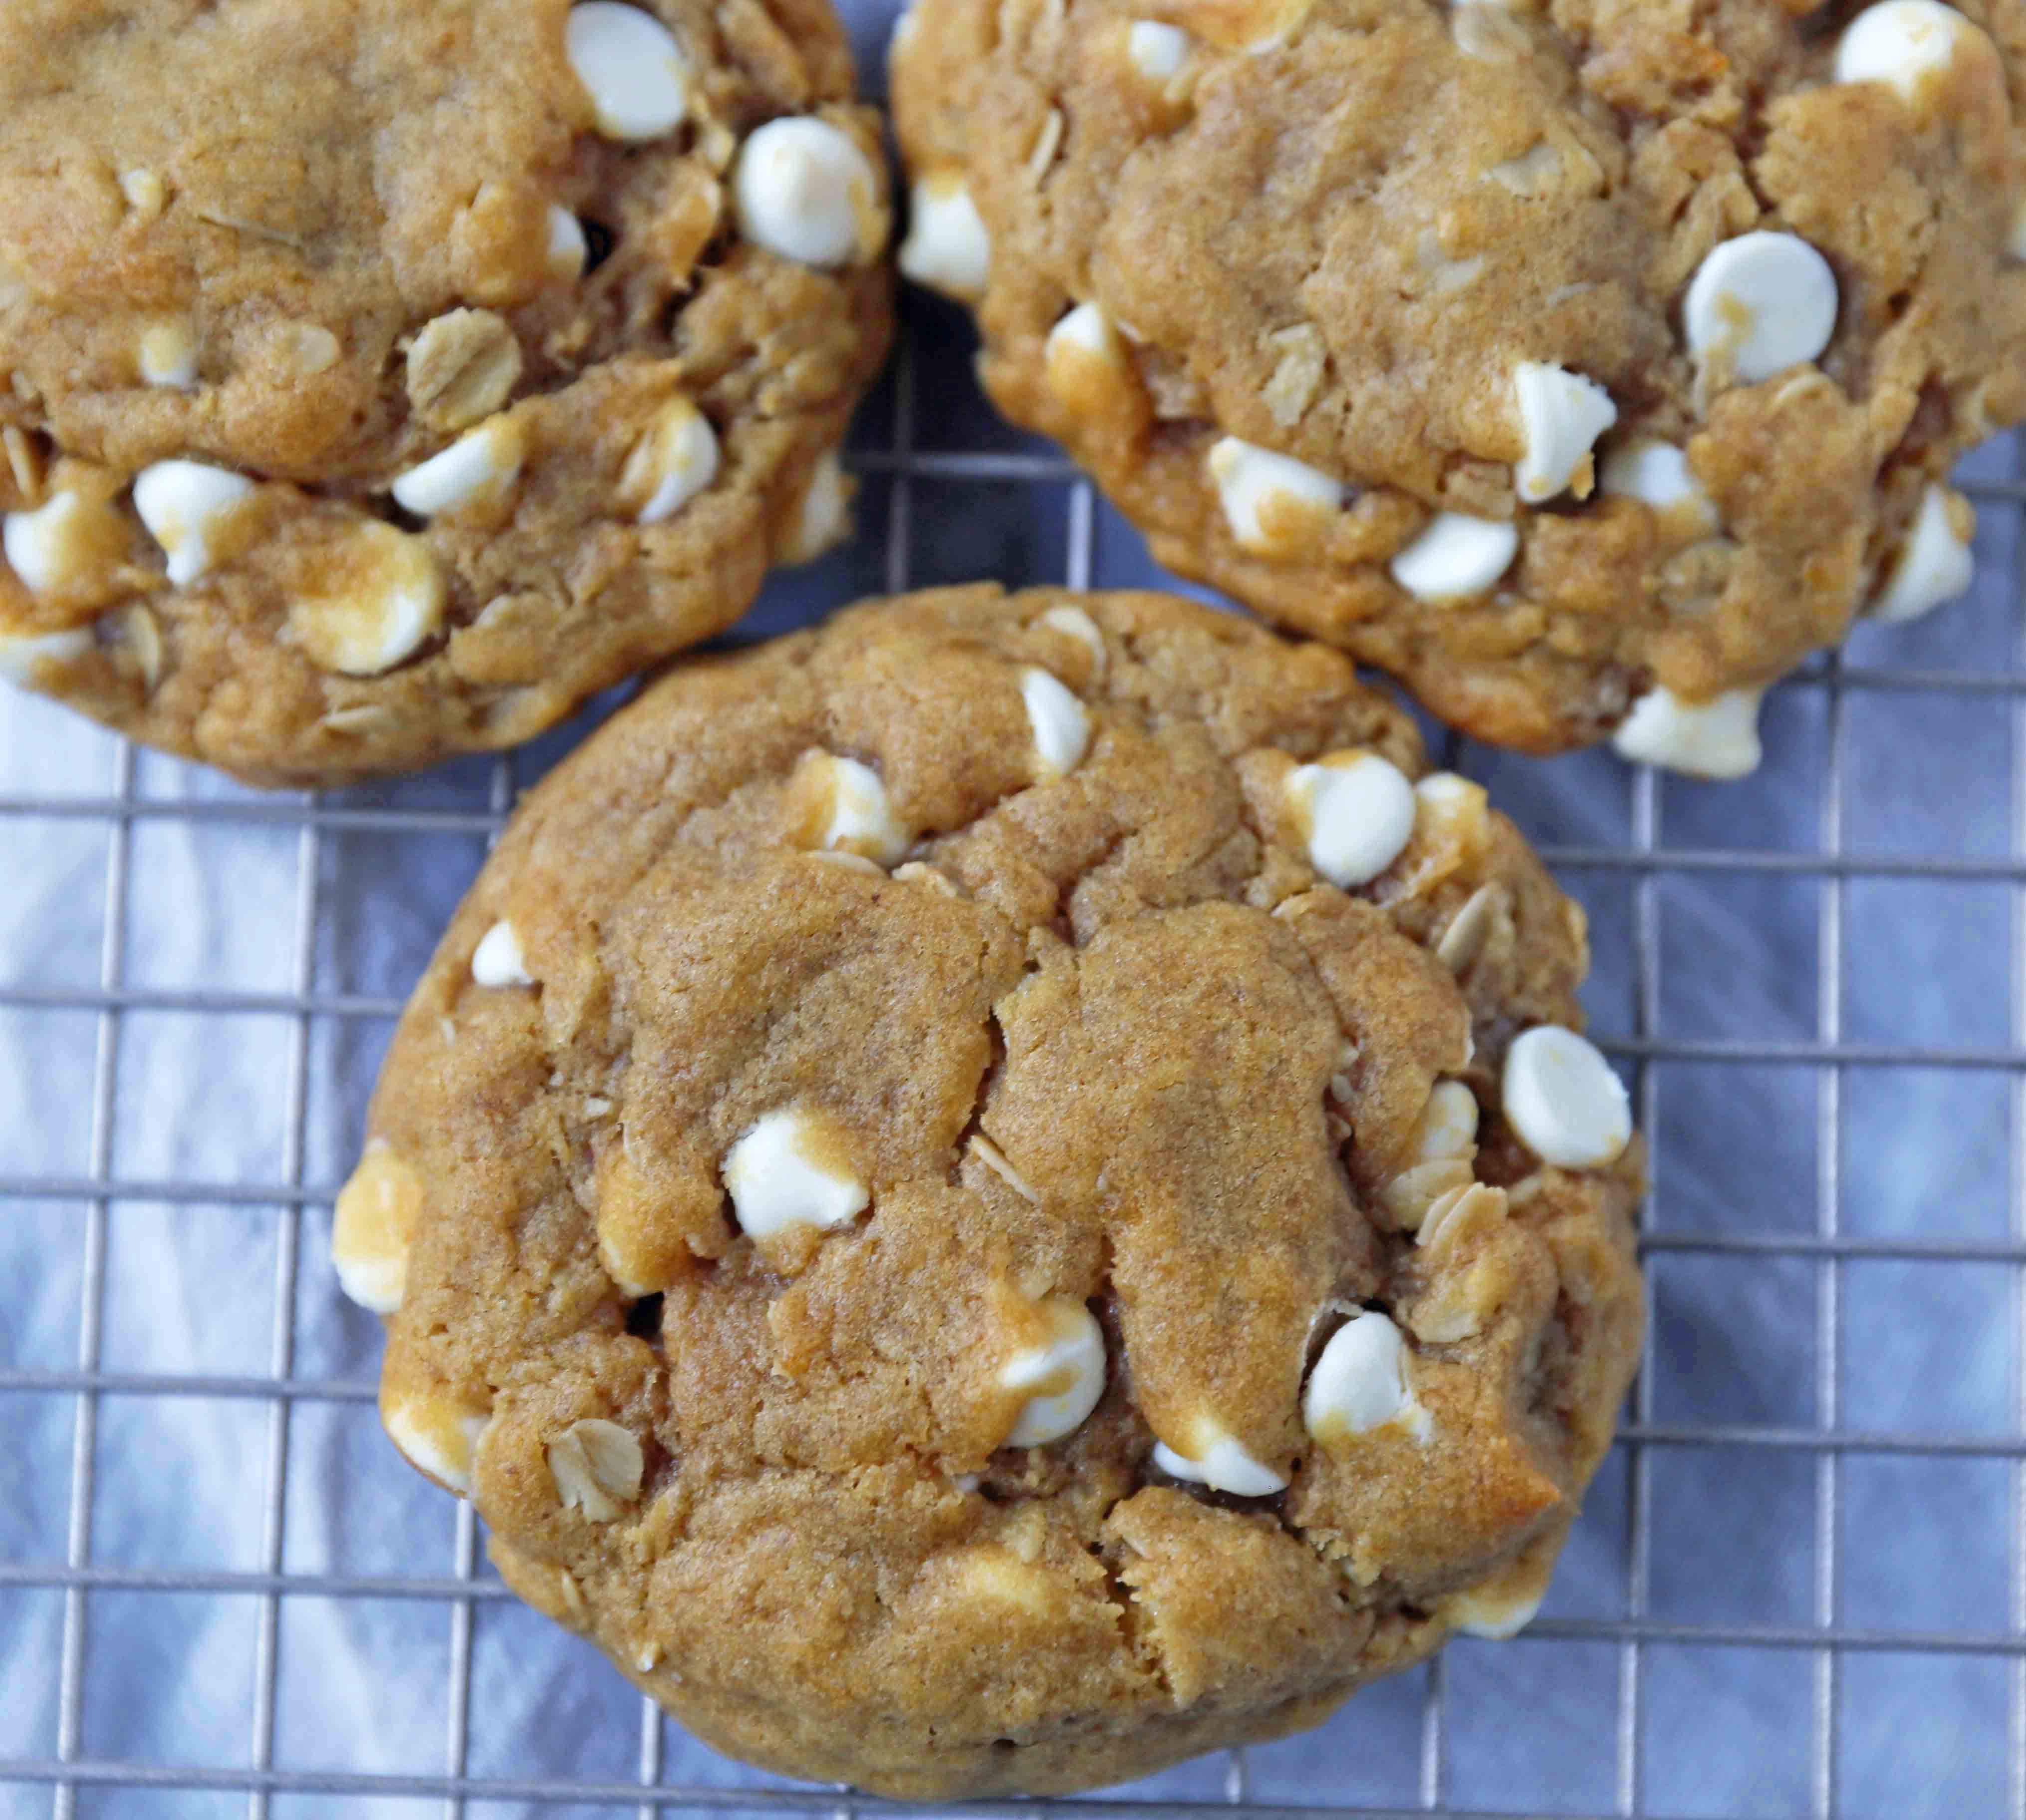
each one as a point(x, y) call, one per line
point(168, 356)
point(1356, 811)
point(1657, 474)
point(822, 521)
point(1157, 51)
point(184, 506)
point(1271, 502)
point(1904, 43)
point(1456, 557)
point(498, 960)
point(1065, 1376)
point(1765, 300)
point(597, 1467)
point(905, 25)
point(1075, 623)
point(1059, 721)
point(480, 466)
point(377, 605)
point(1218, 1461)
point(145, 193)
point(947, 247)
point(803, 189)
point(569, 250)
point(1448, 1124)
point(1360, 1382)
point(1493, 1612)
point(1563, 1101)
point(1717, 738)
point(1935, 563)
point(1082, 352)
point(786, 1171)
point(372, 1227)
point(674, 461)
point(22, 660)
point(859, 818)
point(631, 66)
point(70, 544)
point(439, 1437)
point(1561, 415)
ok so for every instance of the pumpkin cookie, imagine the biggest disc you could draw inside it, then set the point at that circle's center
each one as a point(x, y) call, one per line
point(1004, 1191)
point(1583, 364)
point(388, 378)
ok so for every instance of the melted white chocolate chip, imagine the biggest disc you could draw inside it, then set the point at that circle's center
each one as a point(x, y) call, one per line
point(381, 601)
point(1717, 738)
point(631, 67)
point(948, 247)
point(1063, 1375)
point(1766, 301)
point(1561, 416)
point(1059, 722)
point(1563, 1101)
point(1356, 812)
point(373, 1227)
point(788, 1171)
point(498, 960)
point(438, 1437)
point(802, 189)
point(1216, 1459)
point(1273, 503)
point(1360, 1382)
point(674, 461)
point(185, 506)
point(1456, 557)
point(478, 469)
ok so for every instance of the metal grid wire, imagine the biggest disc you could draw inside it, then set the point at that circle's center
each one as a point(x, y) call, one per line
point(1828, 1642)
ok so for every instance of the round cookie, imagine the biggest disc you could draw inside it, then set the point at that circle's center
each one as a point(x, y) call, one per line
point(1583, 365)
point(990, 1195)
point(387, 378)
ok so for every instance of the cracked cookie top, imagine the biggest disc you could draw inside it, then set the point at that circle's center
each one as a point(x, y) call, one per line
point(387, 378)
point(1002, 1191)
point(1585, 363)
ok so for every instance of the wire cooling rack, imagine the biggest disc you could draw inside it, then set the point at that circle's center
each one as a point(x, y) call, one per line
point(1798, 1585)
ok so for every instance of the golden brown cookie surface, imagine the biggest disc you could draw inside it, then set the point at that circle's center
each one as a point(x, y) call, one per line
point(936, 1235)
point(1553, 356)
point(387, 378)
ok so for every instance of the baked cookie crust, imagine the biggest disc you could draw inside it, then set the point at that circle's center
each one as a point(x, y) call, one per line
point(1583, 363)
point(388, 378)
point(970, 1196)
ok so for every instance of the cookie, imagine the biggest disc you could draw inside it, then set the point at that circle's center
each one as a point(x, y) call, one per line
point(1001, 1192)
point(388, 378)
point(1584, 366)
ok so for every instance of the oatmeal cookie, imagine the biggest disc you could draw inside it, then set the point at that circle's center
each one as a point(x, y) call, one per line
point(1004, 1191)
point(387, 378)
point(1585, 363)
